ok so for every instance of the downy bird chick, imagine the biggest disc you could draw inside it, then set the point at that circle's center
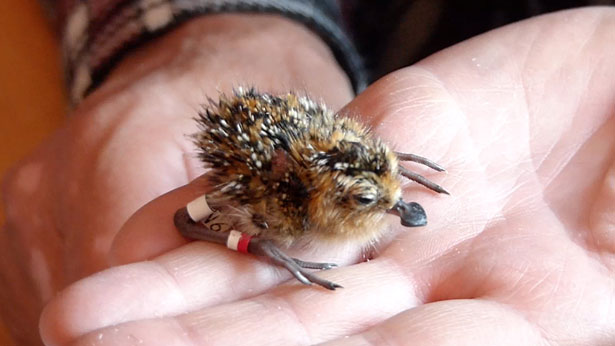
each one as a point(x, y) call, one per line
point(286, 169)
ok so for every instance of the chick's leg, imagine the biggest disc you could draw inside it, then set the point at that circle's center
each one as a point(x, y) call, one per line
point(195, 230)
point(417, 177)
point(422, 180)
point(419, 159)
point(262, 247)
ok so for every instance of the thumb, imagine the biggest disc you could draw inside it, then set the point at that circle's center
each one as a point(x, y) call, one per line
point(150, 231)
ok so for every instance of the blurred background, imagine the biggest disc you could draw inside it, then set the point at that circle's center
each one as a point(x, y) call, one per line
point(32, 101)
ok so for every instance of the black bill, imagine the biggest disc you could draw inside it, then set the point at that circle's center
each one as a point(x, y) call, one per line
point(411, 214)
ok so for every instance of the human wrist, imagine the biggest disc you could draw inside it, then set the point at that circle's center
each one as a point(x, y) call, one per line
point(216, 53)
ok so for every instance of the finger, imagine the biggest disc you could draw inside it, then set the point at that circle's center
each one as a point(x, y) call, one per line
point(150, 231)
point(196, 275)
point(290, 314)
point(452, 322)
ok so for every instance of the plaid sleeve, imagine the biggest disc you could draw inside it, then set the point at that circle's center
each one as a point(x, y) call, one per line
point(97, 33)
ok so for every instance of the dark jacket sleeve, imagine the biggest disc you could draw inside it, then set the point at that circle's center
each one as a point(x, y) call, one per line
point(97, 33)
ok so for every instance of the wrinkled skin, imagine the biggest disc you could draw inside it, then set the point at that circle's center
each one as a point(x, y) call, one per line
point(521, 253)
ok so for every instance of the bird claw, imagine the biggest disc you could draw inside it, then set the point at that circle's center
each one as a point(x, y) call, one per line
point(314, 265)
point(322, 282)
point(297, 267)
point(417, 177)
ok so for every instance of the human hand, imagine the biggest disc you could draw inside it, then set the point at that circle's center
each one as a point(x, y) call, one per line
point(126, 144)
point(521, 253)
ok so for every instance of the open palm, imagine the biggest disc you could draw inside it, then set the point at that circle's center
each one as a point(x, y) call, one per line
point(521, 253)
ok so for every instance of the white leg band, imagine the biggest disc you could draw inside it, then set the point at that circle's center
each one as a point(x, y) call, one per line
point(199, 209)
point(233, 240)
